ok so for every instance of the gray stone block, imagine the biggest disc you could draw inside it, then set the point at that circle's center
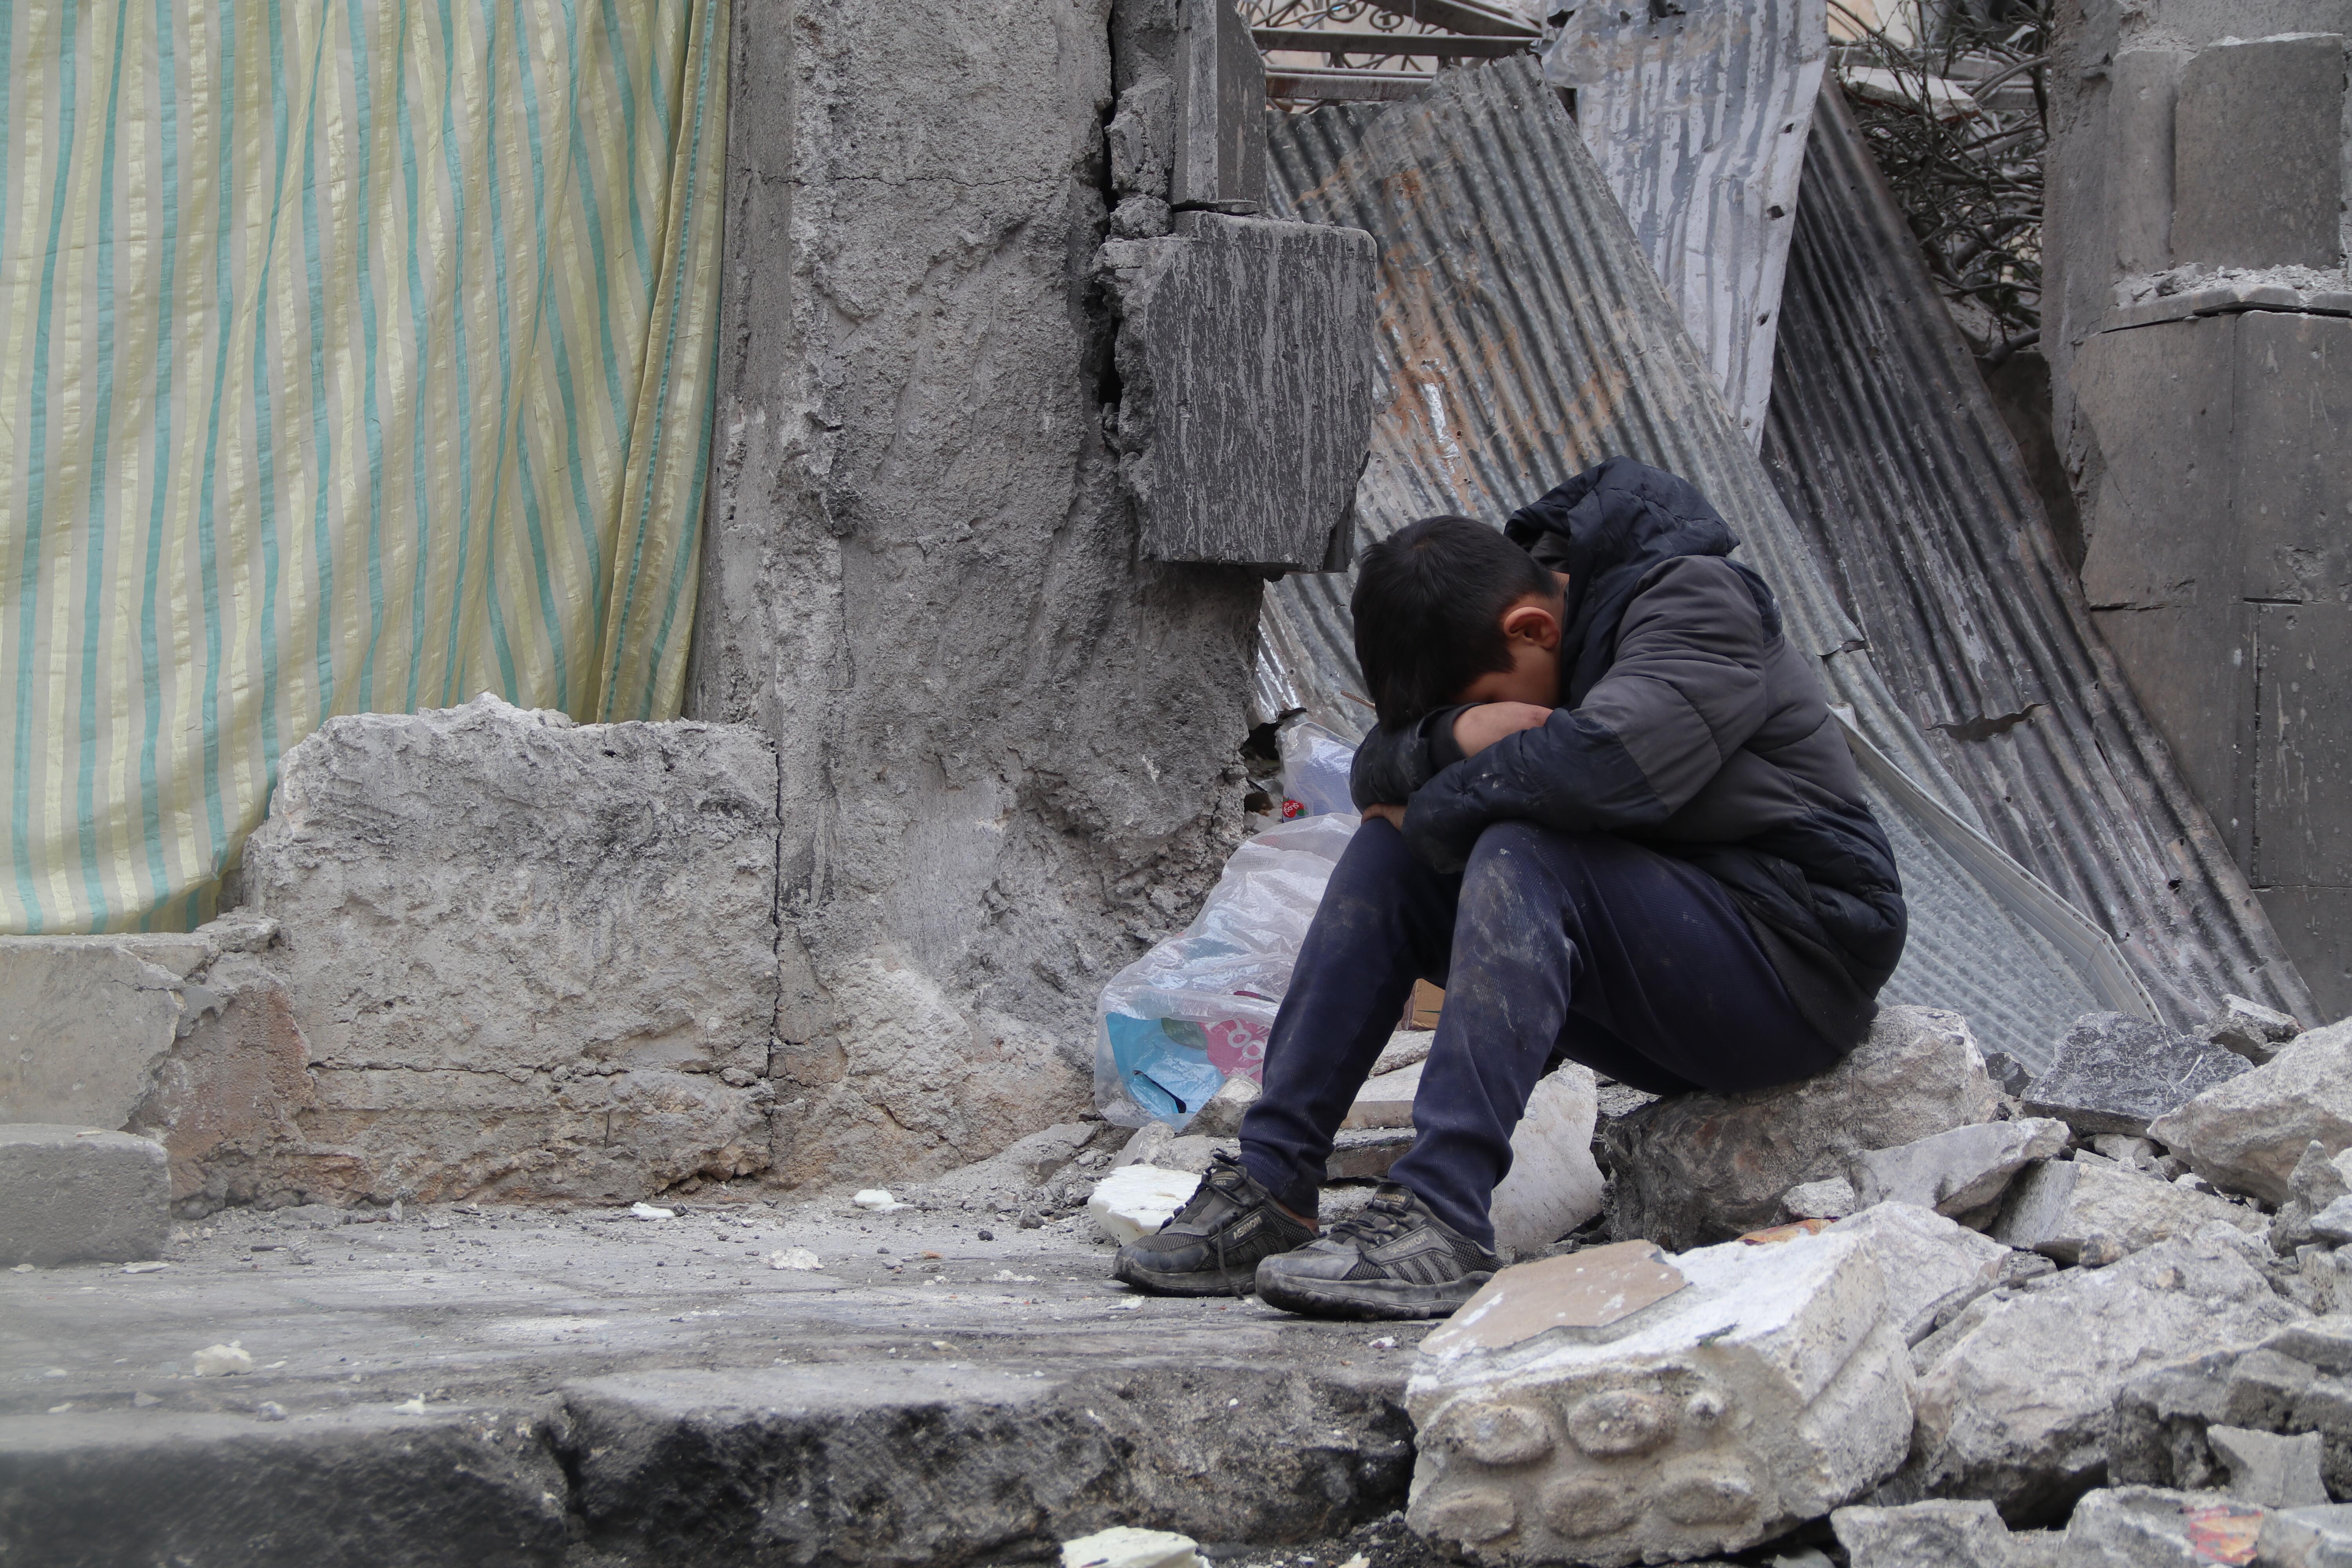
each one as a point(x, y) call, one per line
point(2072, 1210)
point(529, 956)
point(2250, 1132)
point(2140, 106)
point(2294, 470)
point(83, 1023)
point(2143, 1526)
point(2269, 1469)
point(1957, 1171)
point(2247, 1029)
point(70, 1194)
point(2115, 1074)
point(2306, 1537)
point(1939, 1534)
point(2303, 769)
point(1245, 356)
point(1220, 154)
point(2257, 155)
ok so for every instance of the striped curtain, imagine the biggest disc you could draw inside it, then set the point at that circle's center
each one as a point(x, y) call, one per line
point(355, 355)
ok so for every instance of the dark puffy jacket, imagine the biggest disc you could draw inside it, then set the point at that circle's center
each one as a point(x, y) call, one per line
point(1687, 724)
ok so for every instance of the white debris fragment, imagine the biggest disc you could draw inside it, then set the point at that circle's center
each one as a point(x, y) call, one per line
point(647, 1210)
point(1385, 1342)
point(1133, 1201)
point(799, 1257)
point(221, 1361)
point(270, 1410)
point(1121, 1547)
point(143, 1267)
point(413, 1405)
point(22, 1269)
point(1007, 1276)
point(878, 1200)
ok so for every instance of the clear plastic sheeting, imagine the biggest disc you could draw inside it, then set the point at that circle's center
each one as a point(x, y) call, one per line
point(1197, 1008)
point(1316, 764)
point(1523, 336)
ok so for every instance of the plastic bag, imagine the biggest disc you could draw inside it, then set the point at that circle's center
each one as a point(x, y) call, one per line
point(1315, 767)
point(1175, 1024)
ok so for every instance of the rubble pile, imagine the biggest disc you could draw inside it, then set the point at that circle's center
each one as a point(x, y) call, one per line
point(2092, 1316)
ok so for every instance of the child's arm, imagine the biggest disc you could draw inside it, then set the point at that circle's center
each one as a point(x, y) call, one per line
point(1687, 689)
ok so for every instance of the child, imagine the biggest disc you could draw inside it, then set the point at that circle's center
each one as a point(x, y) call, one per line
point(1607, 807)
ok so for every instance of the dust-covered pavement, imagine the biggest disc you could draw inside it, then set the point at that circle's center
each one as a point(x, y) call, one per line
point(533, 1385)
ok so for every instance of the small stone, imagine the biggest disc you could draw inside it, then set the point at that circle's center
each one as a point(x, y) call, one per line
point(2140, 1154)
point(2247, 1134)
point(2144, 1525)
point(1958, 1172)
point(1829, 1198)
point(1134, 1201)
point(877, 1200)
point(2269, 1469)
point(144, 1401)
point(2317, 1180)
point(223, 1361)
point(2307, 1538)
point(1221, 1114)
point(1143, 1146)
point(270, 1410)
point(2058, 1207)
point(2006, 1071)
point(1121, 1547)
point(2117, 1074)
point(799, 1258)
point(647, 1211)
point(987, 1236)
point(1939, 1534)
point(2250, 1029)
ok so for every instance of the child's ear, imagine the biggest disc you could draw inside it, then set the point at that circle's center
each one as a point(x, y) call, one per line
point(1532, 623)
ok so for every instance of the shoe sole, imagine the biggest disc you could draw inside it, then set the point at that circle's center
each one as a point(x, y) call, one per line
point(1368, 1300)
point(1234, 1281)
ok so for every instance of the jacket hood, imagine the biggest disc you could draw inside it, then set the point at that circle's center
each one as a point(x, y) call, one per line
point(1606, 528)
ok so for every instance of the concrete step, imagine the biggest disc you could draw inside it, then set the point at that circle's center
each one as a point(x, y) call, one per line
point(587, 1389)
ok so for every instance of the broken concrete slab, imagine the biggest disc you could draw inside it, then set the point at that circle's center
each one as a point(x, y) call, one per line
point(2269, 1469)
point(1936, 1534)
point(2306, 1537)
point(2250, 1029)
point(1554, 1185)
point(71, 1194)
point(1831, 1198)
point(1932, 1266)
point(1386, 1099)
point(368, 1484)
point(1768, 1389)
point(1959, 1172)
point(2117, 1074)
point(84, 1022)
point(2014, 1405)
point(1699, 1167)
point(2146, 1527)
point(529, 956)
point(1221, 1114)
point(2290, 1382)
point(2062, 1207)
point(2246, 1134)
point(2258, 153)
point(1134, 1201)
point(1277, 317)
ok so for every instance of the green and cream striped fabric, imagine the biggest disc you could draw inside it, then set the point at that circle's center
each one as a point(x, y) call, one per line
point(355, 355)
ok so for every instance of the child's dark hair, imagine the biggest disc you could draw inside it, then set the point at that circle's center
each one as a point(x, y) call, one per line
point(1428, 607)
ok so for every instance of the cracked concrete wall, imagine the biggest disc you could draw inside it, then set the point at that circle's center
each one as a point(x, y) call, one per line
point(1007, 747)
point(2199, 329)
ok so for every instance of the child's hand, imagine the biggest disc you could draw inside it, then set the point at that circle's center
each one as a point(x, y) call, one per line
point(1392, 815)
point(1482, 726)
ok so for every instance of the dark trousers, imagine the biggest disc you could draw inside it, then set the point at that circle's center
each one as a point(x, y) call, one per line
point(1549, 945)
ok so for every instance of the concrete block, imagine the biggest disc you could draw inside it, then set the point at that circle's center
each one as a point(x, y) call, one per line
point(1937, 1534)
point(1932, 1266)
point(2015, 1401)
point(1386, 1100)
point(2072, 1210)
point(1245, 353)
point(2302, 767)
point(1220, 152)
point(84, 1024)
point(1766, 1390)
point(1959, 1172)
point(2249, 1133)
point(69, 1195)
point(2146, 84)
point(1553, 1184)
point(2144, 1527)
point(2257, 155)
point(2317, 1537)
point(1699, 1167)
point(2117, 1074)
point(529, 957)
point(2247, 1029)
point(2269, 1469)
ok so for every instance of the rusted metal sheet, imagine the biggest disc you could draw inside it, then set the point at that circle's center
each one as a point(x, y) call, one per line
point(1523, 336)
point(1696, 118)
point(1883, 444)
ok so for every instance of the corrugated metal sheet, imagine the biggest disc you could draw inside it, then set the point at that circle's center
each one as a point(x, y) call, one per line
point(1884, 443)
point(1696, 119)
point(1524, 337)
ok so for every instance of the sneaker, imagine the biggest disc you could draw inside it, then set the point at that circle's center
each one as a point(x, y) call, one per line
point(1395, 1259)
point(1212, 1246)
